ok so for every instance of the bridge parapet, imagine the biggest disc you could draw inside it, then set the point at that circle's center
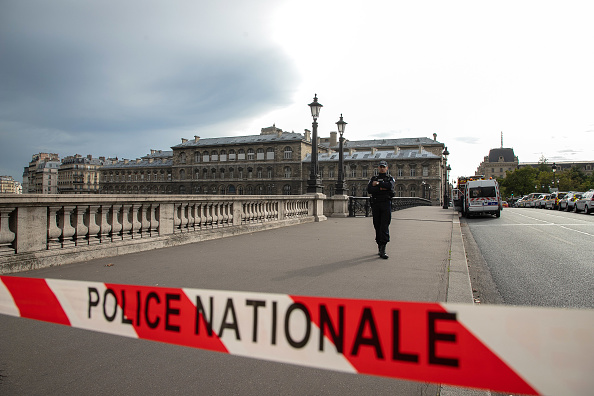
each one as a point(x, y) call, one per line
point(38, 231)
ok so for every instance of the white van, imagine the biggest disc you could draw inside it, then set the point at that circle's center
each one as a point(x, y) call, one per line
point(482, 196)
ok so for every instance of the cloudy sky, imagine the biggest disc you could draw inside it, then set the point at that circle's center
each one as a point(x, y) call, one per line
point(112, 78)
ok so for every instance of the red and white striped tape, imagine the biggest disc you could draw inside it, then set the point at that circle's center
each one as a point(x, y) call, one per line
point(508, 349)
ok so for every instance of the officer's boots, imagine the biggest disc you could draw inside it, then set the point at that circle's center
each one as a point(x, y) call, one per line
point(382, 251)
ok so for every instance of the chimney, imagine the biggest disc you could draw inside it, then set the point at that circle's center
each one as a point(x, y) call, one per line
point(151, 160)
point(279, 132)
point(307, 135)
point(90, 156)
point(435, 137)
point(184, 140)
point(333, 141)
point(373, 150)
point(196, 138)
point(126, 161)
point(138, 160)
point(420, 149)
point(396, 150)
point(152, 151)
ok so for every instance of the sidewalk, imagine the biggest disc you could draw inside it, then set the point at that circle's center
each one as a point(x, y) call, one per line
point(334, 258)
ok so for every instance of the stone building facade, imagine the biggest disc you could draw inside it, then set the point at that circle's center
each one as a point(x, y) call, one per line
point(41, 175)
point(8, 185)
point(80, 175)
point(276, 162)
point(150, 174)
point(499, 161)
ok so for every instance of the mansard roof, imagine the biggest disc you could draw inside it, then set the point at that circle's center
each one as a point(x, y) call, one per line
point(388, 142)
point(251, 139)
point(506, 153)
point(379, 155)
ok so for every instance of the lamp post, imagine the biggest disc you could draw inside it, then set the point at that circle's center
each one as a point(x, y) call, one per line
point(445, 178)
point(554, 168)
point(340, 184)
point(314, 184)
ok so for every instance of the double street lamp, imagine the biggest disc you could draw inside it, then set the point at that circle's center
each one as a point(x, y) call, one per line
point(554, 168)
point(445, 178)
point(314, 183)
point(340, 184)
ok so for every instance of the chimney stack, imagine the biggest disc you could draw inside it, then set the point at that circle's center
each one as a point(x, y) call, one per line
point(307, 135)
point(196, 138)
point(184, 140)
point(333, 139)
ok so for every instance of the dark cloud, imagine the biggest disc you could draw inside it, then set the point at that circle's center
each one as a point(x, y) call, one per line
point(73, 75)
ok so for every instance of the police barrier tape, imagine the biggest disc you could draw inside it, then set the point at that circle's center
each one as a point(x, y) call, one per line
point(508, 349)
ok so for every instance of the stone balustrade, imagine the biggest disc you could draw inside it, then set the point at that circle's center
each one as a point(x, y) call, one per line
point(39, 230)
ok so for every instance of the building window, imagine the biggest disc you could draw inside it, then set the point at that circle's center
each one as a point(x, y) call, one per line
point(270, 153)
point(250, 155)
point(250, 173)
point(214, 155)
point(205, 157)
point(182, 158)
point(205, 174)
point(365, 173)
point(286, 189)
point(196, 157)
point(241, 155)
point(269, 172)
point(231, 173)
point(223, 156)
point(214, 173)
point(259, 173)
point(413, 191)
point(288, 153)
point(331, 174)
point(425, 171)
point(222, 173)
point(287, 172)
point(260, 154)
point(232, 156)
point(413, 173)
point(400, 171)
point(353, 171)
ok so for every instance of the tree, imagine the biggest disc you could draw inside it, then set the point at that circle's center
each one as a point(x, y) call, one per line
point(519, 182)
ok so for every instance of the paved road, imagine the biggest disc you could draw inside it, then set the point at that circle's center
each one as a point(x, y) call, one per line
point(533, 257)
point(336, 258)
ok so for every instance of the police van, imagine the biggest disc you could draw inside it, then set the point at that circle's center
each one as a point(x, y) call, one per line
point(482, 196)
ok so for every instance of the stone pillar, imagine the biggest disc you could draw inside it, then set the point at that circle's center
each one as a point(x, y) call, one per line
point(341, 206)
point(318, 207)
point(32, 225)
point(166, 219)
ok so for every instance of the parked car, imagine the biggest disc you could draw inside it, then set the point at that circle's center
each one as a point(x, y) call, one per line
point(553, 201)
point(585, 203)
point(529, 199)
point(540, 201)
point(504, 204)
point(571, 202)
point(563, 201)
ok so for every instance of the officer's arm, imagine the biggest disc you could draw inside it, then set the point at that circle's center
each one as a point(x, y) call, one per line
point(371, 189)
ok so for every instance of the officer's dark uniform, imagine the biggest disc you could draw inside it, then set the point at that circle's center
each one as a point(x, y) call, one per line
point(381, 207)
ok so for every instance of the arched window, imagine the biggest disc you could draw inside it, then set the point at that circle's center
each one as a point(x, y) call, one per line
point(269, 172)
point(214, 155)
point(222, 173)
point(260, 154)
point(259, 173)
point(287, 171)
point(182, 158)
point(232, 156)
point(260, 190)
point(205, 173)
point(250, 190)
point(250, 155)
point(182, 174)
point(288, 153)
point(223, 156)
point(270, 153)
point(196, 157)
point(231, 189)
point(413, 173)
point(197, 174)
point(205, 156)
point(353, 171)
point(287, 189)
point(241, 154)
point(413, 190)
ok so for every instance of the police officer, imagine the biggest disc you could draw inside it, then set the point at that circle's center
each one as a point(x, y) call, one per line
point(381, 188)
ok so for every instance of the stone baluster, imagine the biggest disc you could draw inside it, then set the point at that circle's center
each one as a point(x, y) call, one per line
point(53, 229)
point(105, 224)
point(191, 216)
point(219, 215)
point(93, 220)
point(230, 212)
point(126, 221)
point(154, 218)
point(65, 223)
point(202, 216)
point(177, 217)
point(145, 219)
point(184, 216)
point(209, 214)
point(136, 217)
point(117, 222)
point(6, 235)
point(80, 236)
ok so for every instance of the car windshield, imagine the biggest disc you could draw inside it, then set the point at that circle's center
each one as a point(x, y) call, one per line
point(479, 192)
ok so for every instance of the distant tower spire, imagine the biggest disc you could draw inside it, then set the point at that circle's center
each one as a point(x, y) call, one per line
point(501, 139)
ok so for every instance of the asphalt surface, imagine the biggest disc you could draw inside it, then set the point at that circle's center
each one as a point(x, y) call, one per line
point(534, 257)
point(336, 258)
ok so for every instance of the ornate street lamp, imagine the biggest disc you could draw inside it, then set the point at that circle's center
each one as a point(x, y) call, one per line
point(314, 184)
point(445, 179)
point(554, 168)
point(340, 184)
